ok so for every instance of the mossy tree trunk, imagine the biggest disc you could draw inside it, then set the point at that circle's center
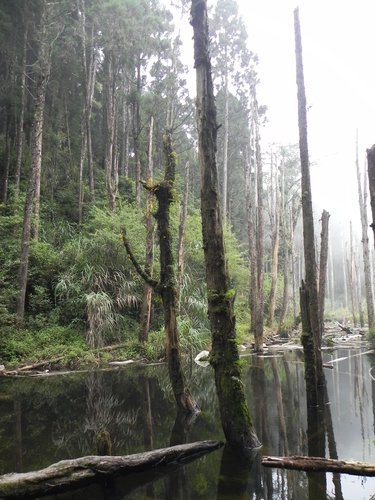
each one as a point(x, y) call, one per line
point(164, 192)
point(167, 286)
point(235, 418)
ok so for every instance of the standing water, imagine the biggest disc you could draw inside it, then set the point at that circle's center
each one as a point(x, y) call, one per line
point(46, 419)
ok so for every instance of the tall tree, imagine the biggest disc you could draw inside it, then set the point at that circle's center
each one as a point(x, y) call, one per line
point(362, 195)
point(371, 182)
point(42, 71)
point(166, 286)
point(309, 297)
point(324, 238)
point(235, 418)
point(145, 314)
point(230, 55)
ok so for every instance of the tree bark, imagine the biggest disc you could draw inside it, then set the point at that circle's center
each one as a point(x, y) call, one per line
point(307, 210)
point(365, 243)
point(110, 113)
point(319, 464)
point(181, 234)
point(275, 224)
point(225, 145)
point(235, 418)
point(166, 286)
point(68, 474)
point(36, 162)
point(371, 183)
point(323, 265)
point(22, 113)
point(147, 289)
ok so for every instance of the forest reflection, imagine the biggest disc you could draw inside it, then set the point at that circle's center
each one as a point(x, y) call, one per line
point(47, 419)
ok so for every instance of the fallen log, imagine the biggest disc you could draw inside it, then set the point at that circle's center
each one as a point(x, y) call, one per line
point(69, 474)
point(319, 464)
point(40, 364)
point(344, 328)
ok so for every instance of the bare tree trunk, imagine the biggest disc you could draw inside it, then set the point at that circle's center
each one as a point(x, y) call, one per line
point(125, 132)
point(351, 284)
point(371, 183)
point(181, 233)
point(36, 162)
point(81, 167)
point(259, 308)
point(5, 179)
point(225, 145)
point(147, 290)
point(137, 133)
point(312, 327)
point(22, 113)
point(88, 78)
point(275, 224)
point(110, 113)
point(365, 243)
point(323, 265)
point(344, 268)
point(331, 272)
point(235, 418)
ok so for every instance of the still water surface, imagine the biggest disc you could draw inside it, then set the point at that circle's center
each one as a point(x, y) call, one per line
point(43, 420)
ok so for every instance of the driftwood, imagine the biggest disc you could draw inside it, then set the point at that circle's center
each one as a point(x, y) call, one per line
point(68, 474)
point(344, 328)
point(319, 464)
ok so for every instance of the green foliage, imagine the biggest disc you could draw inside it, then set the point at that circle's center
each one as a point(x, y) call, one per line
point(48, 343)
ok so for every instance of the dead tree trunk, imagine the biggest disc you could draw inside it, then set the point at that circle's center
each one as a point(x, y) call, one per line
point(314, 329)
point(365, 243)
point(323, 265)
point(235, 418)
point(319, 464)
point(371, 183)
point(68, 474)
point(166, 286)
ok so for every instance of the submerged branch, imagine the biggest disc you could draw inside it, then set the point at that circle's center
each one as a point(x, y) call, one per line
point(319, 464)
point(68, 474)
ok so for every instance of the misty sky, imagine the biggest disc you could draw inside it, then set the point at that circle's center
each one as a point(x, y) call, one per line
point(338, 52)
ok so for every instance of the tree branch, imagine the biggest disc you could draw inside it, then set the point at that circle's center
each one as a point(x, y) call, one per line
point(142, 273)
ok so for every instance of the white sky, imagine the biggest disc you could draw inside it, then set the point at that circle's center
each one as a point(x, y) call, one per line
point(338, 52)
point(338, 39)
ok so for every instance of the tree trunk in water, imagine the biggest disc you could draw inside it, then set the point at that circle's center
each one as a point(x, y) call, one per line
point(365, 243)
point(319, 464)
point(371, 183)
point(147, 290)
point(181, 234)
point(36, 162)
point(166, 286)
point(259, 307)
point(164, 195)
point(307, 212)
point(323, 265)
point(21, 115)
point(235, 418)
